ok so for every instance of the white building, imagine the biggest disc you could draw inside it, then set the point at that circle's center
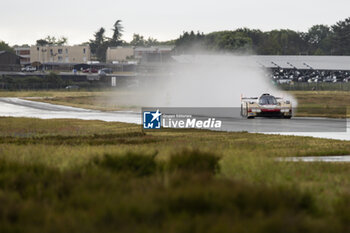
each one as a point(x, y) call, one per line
point(119, 54)
point(60, 54)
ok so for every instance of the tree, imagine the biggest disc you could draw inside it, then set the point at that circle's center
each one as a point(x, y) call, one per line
point(257, 37)
point(317, 33)
point(318, 38)
point(151, 42)
point(100, 36)
point(97, 45)
point(5, 47)
point(62, 41)
point(138, 40)
point(230, 41)
point(21, 46)
point(283, 42)
point(341, 37)
point(100, 43)
point(52, 40)
point(117, 34)
point(42, 42)
point(189, 42)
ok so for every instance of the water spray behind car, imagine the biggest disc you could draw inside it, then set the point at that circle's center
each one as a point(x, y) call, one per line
point(199, 81)
point(210, 81)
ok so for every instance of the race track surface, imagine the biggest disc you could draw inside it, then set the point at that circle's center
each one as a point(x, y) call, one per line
point(15, 107)
point(316, 127)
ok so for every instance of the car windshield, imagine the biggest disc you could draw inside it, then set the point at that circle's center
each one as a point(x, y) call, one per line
point(265, 100)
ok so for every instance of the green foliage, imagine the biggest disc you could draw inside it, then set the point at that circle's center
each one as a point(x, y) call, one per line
point(62, 187)
point(189, 42)
point(51, 181)
point(282, 42)
point(228, 41)
point(117, 34)
point(100, 43)
point(341, 37)
point(52, 40)
point(319, 36)
point(32, 82)
point(319, 40)
point(140, 41)
point(37, 198)
point(98, 46)
point(131, 163)
point(5, 47)
point(194, 160)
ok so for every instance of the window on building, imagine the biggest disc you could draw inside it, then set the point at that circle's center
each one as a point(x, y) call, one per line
point(59, 58)
point(59, 51)
point(84, 50)
point(67, 51)
point(24, 52)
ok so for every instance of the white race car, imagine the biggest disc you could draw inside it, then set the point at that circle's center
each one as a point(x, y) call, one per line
point(266, 106)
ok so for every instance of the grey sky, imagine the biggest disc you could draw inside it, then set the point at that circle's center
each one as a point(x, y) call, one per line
point(23, 21)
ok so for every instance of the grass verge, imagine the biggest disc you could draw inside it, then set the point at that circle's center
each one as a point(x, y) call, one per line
point(87, 176)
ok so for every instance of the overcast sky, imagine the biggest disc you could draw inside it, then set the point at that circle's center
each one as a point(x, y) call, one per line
point(23, 21)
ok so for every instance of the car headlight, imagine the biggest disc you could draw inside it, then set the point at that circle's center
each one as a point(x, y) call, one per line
point(256, 110)
point(285, 110)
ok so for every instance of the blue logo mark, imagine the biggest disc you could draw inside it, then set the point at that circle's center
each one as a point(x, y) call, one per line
point(152, 120)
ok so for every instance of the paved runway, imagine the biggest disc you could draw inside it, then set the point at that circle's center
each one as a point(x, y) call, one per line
point(316, 127)
point(16, 107)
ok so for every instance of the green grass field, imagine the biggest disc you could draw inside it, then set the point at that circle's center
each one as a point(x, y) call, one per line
point(323, 103)
point(92, 176)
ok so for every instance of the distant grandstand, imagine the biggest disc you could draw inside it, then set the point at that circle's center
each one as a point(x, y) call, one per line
point(311, 69)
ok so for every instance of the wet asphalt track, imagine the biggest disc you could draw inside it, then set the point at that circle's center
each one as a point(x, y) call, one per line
point(316, 127)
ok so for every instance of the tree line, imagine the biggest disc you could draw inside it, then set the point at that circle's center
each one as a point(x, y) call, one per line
point(318, 40)
point(101, 42)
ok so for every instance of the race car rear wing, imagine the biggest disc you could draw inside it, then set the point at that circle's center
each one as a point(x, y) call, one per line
point(248, 98)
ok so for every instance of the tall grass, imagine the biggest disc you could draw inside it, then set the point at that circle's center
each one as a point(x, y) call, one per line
point(131, 163)
point(111, 177)
point(194, 161)
point(121, 194)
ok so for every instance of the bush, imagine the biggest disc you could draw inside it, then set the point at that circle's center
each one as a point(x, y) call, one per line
point(194, 161)
point(131, 163)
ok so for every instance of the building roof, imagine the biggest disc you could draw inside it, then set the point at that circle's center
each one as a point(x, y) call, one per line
point(21, 48)
point(305, 62)
point(290, 62)
point(9, 53)
point(155, 48)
